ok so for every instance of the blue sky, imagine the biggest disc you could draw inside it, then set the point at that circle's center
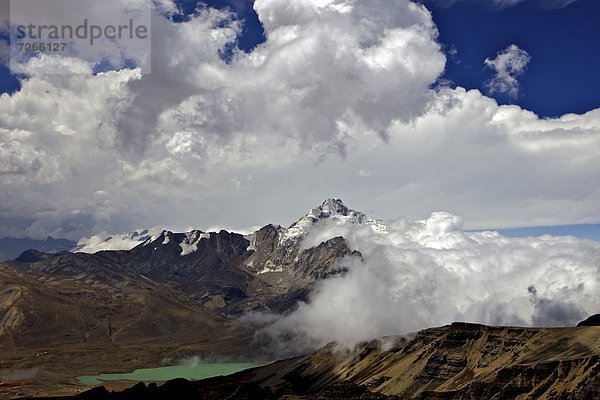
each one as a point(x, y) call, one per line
point(564, 73)
point(584, 231)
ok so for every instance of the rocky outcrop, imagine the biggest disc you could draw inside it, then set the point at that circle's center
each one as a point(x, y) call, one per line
point(593, 320)
point(11, 316)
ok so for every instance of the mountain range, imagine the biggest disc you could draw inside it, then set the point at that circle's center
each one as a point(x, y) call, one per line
point(173, 295)
point(176, 295)
point(11, 248)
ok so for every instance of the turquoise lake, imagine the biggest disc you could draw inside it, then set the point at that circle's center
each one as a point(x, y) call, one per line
point(200, 371)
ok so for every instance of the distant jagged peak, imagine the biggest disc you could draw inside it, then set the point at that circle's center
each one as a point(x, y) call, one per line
point(332, 208)
point(156, 236)
point(138, 235)
point(32, 255)
point(187, 241)
point(335, 208)
point(331, 211)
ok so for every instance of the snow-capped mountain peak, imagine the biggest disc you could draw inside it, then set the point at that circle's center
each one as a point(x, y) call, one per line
point(331, 211)
point(335, 208)
point(190, 243)
point(187, 241)
point(106, 241)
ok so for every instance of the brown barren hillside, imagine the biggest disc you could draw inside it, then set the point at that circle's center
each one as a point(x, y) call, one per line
point(460, 361)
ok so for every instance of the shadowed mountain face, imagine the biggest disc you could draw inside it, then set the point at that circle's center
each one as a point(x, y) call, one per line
point(173, 295)
point(461, 361)
point(593, 320)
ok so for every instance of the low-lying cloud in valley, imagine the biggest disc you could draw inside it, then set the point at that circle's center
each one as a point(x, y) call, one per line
point(432, 272)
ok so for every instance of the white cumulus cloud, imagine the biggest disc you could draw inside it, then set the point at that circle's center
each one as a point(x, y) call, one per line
point(431, 272)
point(337, 101)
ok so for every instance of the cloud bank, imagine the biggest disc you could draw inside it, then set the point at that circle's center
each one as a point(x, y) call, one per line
point(431, 272)
point(340, 100)
point(123, 241)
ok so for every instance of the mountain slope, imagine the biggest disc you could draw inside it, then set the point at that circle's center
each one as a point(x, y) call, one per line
point(460, 361)
point(171, 295)
point(101, 319)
